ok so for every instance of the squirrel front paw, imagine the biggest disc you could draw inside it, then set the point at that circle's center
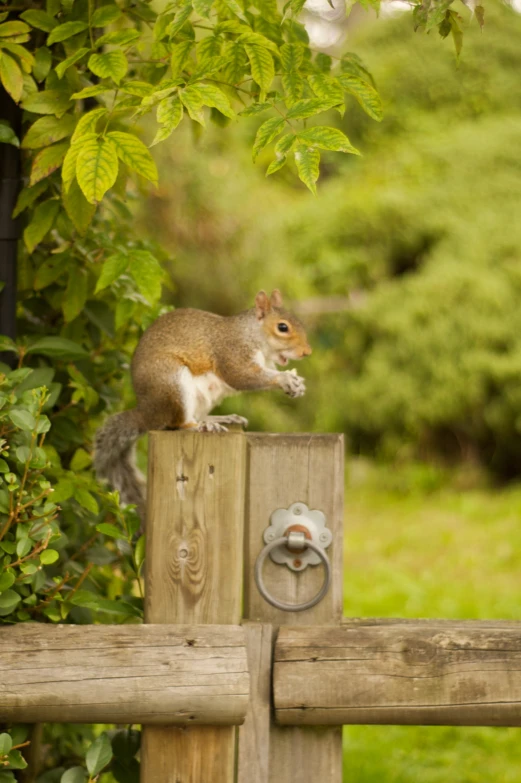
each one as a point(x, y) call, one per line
point(292, 384)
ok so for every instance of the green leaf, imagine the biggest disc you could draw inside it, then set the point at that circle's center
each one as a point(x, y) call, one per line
point(16, 760)
point(96, 167)
point(49, 556)
point(86, 500)
point(98, 755)
point(110, 530)
point(117, 37)
point(7, 777)
point(308, 107)
point(61, 68)
point(366, 95)
point(47, 161)
point(39, 19)
point(213, 96)
point(8, 29)
point(47, 102)
point(42, 376)
point(66, 30)
point(170, 112)
point(7, 134)
point(307, 161)
point(276, 164)
point(91, 92)
point(105, 15)
point(148, 274)
point(133, 152)
point(262, 67)
point(141, 89)
point(327, 139)
point(28, 196)
point(42, 63)
point(255, 108)
point(6, 744)
point(180, 18)
point(291, 56)
point(74, 775)
point(8, 602)
point(63, 490)
point(192, 101)
point(24, 546)
point(41, 223)
point(58, 348)
point(266, 133)
point(326, 87)
point(113, 267)
point(111, 64)
point(50, 271)
point(47, 130)
point(180, 53)
point(202, 7)
point(352, 64)
point(7, 578)
point(80, 460)
point(75, 294)
point(11, 76)
point(77, 207)
point(88, 123)
point(25, 57)
point(293, 84)
point(22, 419)
point(284, 144)
point(256, 39)
point(235, 8)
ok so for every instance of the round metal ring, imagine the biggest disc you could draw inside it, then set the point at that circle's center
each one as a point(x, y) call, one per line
point(280, 604)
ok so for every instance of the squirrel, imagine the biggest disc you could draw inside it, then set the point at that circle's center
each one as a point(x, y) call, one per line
point(184, 365)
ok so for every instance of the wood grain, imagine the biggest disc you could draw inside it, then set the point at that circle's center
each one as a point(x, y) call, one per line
point(254, 734)
point(123, 674)
point(284, 469)
point(465, 673)
point(194, 575)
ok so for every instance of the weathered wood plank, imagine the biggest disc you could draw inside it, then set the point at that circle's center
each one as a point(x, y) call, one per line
point(123, 674)
point(465, 673)
point(194, 575)
point(284, 469)
point(254, 734)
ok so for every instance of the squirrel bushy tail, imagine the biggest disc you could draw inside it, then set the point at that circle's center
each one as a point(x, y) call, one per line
point(115, 458)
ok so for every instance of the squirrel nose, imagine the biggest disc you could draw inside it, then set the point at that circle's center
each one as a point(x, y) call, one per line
point(307, 351)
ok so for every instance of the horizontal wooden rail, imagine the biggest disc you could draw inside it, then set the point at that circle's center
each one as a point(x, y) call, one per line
point(151, 674)
point(465, 673)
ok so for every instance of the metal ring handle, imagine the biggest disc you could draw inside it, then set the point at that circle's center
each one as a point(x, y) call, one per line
point(280, 604)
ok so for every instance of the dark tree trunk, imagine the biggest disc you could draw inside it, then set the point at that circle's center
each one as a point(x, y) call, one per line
point(10, 174)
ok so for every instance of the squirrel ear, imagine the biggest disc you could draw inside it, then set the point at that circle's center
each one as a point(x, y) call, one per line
point(262, 305)
point(276, 298)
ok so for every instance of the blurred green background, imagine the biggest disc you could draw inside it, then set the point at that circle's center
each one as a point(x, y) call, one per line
point(407, 270)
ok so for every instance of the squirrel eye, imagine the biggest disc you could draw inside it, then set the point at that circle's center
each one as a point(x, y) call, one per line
point(282, 327)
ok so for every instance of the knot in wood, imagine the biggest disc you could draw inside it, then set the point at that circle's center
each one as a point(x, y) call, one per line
point(418, 652)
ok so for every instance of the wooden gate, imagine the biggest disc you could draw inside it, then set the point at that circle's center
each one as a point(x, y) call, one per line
point(228, 688)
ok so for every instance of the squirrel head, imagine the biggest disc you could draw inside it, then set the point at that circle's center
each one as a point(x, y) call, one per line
point(283, 331)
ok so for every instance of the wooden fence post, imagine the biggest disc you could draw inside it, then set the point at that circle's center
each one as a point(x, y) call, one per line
point(194, 573)
point(284, 469)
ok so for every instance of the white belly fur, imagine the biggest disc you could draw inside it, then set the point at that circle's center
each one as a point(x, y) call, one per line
point(201, 393)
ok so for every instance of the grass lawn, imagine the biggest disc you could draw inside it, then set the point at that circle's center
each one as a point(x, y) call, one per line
point(416, 547)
